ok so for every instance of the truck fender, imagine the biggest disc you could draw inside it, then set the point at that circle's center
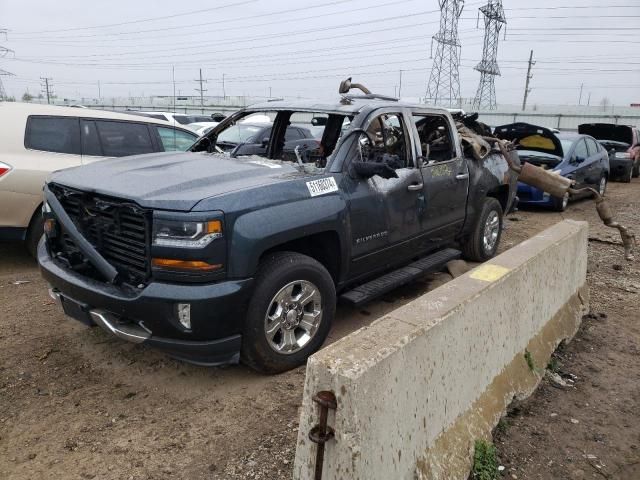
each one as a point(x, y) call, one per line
point(258, 231)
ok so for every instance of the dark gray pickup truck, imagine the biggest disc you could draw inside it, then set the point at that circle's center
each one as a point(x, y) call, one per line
point(218, 256)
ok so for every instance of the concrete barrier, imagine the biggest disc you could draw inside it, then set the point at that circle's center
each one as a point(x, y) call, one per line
point(417, 387)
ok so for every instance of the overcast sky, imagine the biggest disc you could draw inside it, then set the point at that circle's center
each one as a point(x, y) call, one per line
point(305, 47)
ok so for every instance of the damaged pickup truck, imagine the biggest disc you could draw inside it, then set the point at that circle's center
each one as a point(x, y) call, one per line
point(217, 256)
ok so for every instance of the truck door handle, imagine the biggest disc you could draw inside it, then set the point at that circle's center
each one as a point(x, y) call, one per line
point(462, 176)
point(415, 187)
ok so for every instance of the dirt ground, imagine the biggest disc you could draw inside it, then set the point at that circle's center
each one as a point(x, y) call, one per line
point(78, 404)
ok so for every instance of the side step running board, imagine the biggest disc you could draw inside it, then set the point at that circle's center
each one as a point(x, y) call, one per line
point(392, 280)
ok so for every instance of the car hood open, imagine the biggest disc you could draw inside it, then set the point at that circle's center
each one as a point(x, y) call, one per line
point(531, 137)
point(607, 131)
point(174, 181)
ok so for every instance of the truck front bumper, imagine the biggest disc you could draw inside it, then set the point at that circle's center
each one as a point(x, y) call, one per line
point(150, 316)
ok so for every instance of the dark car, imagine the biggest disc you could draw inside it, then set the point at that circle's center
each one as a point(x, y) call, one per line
point(219, 256)
point(617, 140)
point(247, 138)
point(578, 157)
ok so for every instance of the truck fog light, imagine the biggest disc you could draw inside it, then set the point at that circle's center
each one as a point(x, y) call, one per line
point(184, 314)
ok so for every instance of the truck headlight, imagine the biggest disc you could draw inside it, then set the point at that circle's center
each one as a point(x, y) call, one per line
point(185, 234)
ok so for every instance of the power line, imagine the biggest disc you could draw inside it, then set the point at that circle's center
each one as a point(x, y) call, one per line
point(152, 19)
point(192, 27)
point(113, 54)
point(573, 7)
point(405, 60)
point(245, 39)
point(236, 49)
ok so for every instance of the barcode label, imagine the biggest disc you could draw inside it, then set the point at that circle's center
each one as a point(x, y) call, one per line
point(322, 186)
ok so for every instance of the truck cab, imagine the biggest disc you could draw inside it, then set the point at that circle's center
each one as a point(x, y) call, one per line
point(221, 254)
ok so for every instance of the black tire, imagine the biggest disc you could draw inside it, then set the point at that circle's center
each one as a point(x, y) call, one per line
point(34, 234)
point(636, 169)
point(475, 249)
point(275, 273)
point(627, 175)
point(561, 204)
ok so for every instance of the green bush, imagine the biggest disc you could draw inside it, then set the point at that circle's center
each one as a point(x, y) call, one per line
point(485, 461)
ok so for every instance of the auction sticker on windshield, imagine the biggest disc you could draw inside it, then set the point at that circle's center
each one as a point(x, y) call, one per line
point(322, 186)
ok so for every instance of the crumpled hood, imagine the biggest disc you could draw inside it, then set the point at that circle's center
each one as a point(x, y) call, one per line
point(173, 181)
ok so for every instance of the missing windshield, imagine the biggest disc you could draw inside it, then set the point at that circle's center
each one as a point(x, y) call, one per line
point(304, 138)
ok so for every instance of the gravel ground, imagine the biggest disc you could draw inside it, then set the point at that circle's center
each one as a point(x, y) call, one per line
point(78, 404)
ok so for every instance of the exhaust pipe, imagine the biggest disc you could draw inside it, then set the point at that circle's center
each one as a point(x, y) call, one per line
point(558, 186)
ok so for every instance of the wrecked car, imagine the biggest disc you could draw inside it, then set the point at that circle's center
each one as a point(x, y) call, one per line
point(618, 141)
point(577, 157)
point(218, 255)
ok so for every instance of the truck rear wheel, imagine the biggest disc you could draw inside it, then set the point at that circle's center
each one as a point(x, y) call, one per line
point(485, 237)
point(290, 313)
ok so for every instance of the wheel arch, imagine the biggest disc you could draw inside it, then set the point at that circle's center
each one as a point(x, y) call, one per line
point(312, 227)
point(325, 247)
point(501, 193)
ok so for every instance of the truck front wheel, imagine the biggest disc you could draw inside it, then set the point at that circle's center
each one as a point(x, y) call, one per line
point(483, 242)
point(290, 313)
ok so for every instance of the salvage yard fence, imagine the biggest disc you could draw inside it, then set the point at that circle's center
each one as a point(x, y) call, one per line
point(561, 121)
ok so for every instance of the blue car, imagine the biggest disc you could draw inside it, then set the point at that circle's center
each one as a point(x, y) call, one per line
point(578, 157)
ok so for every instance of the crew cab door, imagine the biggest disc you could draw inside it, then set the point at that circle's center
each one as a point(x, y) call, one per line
point(446, 178)
point(384, 213)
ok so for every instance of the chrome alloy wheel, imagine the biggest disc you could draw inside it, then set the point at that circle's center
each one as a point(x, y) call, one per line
point(491, 231)
point(293, 317)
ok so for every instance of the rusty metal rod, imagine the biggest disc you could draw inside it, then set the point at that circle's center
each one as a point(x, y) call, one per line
point(321, 433)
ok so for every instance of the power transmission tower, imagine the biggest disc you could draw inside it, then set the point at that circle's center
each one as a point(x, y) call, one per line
point(3, 92)
point(444, 81)
point(4, 51)
point(494, 20)
point(201, 90)
point(527, 90)
point(47, 87)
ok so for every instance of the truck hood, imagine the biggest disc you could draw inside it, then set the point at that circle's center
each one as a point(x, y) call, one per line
point(174, 181)
point(531, 137)
point(607, 131)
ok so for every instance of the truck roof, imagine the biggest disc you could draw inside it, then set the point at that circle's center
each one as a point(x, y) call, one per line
point(356, 104)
